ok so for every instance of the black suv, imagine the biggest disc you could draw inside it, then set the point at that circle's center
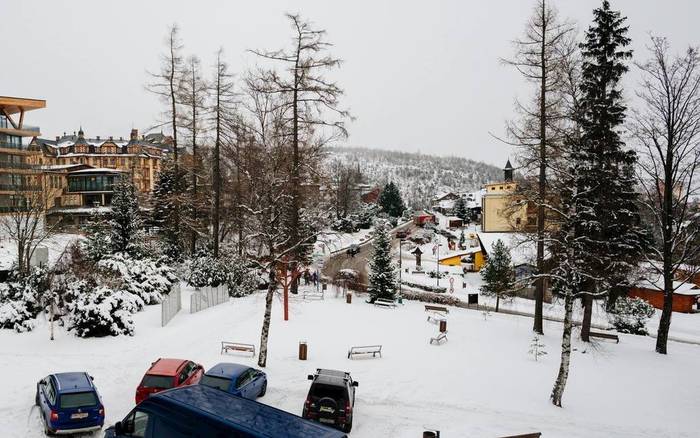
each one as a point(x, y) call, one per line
point(331, 399)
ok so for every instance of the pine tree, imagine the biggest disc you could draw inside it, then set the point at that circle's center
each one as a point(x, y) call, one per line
point(497, 274)
point(382, 277)
point(609, 212)
point(167, 208)
point(125, 224)
point(390, 200)
point(97, 240)
point(537, 347)
point(461, 210)
point(462, 239)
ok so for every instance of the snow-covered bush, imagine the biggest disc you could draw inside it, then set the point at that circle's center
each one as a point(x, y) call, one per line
point(100, 311)
point(344, 225)
point(242, 279)
point(436, 274)
point(233, 271)
point(425, 287)
point(431, 297)
point(630, 315)
point(21, 300)
point(206, 270)
point(148, 279)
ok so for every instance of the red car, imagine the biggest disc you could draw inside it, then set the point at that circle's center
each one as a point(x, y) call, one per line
point(168, 373)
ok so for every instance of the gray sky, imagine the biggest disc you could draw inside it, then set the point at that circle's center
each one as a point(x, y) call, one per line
point(419, 76)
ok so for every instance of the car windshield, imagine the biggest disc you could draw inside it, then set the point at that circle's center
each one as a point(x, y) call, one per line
point(216, 382)
point(153, 381)
point(335, 392)
point(78, 399)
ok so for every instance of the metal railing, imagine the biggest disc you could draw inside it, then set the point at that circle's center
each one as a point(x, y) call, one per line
point(208, 296)
point(11, 165)
point(21, 187)
point(170, 305)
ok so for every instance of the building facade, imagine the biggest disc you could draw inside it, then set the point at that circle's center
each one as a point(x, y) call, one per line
point(500, 210)
point(20, 173)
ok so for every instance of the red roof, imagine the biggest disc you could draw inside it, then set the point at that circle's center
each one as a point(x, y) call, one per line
point(166, 367)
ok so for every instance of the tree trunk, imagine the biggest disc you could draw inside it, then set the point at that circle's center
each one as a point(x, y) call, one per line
point(587, 316)
point(195, 167)
point(560, 383)
point(498, 300)
point(217, 169)
point(537, 326)
point(665, 321)
point(265, 333)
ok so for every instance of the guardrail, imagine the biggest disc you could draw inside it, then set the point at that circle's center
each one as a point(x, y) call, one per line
point(208, 296)
point(170, 305)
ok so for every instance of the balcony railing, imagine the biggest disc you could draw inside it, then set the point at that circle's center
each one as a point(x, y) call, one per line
point(20, 187)
point(8, 209)
point(11, 165)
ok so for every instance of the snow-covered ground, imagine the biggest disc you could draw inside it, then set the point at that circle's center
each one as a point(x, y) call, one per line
point(481, 383)
point(56, 244)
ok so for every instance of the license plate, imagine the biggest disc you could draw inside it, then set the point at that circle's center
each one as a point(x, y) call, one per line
point(326, 420)
point(79, 416)
point(325, 409)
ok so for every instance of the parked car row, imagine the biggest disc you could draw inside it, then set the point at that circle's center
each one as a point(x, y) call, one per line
point(70, 402)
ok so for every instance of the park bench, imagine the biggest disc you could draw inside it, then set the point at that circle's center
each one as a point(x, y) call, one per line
point(383, 302)
point(312, 294)
point(436, 317)
point(374, 350)
point(527, 435)
point(236, 346)
point(439, 339)
point(605, 336)
point(440, 309)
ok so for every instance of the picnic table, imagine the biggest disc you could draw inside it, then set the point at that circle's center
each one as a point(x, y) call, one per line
point(374, 350)
point(237, 346)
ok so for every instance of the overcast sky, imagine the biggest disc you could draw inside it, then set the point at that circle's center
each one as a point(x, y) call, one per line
point(419, 76)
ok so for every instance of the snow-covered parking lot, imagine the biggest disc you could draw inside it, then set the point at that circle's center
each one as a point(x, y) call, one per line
point(481, 383)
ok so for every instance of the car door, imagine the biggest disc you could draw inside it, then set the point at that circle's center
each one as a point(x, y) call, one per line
point(42, 390)
point(243, 384)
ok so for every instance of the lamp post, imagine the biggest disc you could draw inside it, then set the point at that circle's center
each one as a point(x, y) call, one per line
point(437, 263)
point(400, 265)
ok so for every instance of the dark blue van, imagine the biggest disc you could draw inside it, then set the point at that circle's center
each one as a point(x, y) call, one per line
point(198, 411)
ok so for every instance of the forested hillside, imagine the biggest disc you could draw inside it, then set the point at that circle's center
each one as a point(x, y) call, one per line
point(418, 176)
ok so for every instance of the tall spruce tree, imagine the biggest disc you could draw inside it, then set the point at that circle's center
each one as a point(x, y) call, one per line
point(598, 241)
point(390, 200)
point(461, 210)
point(382, 277)
point(125, 224)
point(609, 213)
point(167, 207)
point(498, 274)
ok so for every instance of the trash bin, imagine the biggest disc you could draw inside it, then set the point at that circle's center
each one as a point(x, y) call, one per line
point(324, 286)
point(443, 325)
point(429, 434)
point(348, 298)
point(302, 351)
point(400, 299)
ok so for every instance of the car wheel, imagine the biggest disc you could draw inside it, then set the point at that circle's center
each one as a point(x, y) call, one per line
point(264, 389)
point(47, 430)
point(348, 427)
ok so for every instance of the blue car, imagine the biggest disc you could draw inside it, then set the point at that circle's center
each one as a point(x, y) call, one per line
point(240, 380)
point(197, 411)
point(69, 403)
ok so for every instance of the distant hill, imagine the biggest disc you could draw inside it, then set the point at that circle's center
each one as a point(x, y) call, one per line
point(418, 176)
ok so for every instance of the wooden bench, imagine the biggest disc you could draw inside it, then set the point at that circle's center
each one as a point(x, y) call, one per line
point(436, 317)
point(527, 435)
point(440, 309)
point(439, 338)
point(236, 346)
point(383, 302)
point(374, 350)
point(605, 336)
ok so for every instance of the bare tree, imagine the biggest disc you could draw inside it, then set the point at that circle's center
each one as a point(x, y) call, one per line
point(667, 130)
point(25, 223)
point(222, 116)
point(344, 179)
point(167, 85)
point(311, 103)
point(540, 57)
point(193, 96)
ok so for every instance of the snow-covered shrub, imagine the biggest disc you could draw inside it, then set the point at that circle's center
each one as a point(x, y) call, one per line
point(100, 311)
point(206, 270)
point(242, 279)
point(21, 299)
point(148, 279)
point(344, 225)
point(425, 287)
point(431, 297)
point(436, 274)
point(630, 315)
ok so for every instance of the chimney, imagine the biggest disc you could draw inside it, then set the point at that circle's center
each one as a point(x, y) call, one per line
point(57, 138)
point(134, 134)
point(98, 137)
point(111, 138)
point(121, 138)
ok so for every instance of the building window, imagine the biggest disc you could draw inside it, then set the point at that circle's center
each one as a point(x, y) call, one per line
point(517, 221)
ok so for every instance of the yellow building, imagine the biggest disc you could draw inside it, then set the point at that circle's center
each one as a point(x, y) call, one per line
point(472, 259)
point(500, 212)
